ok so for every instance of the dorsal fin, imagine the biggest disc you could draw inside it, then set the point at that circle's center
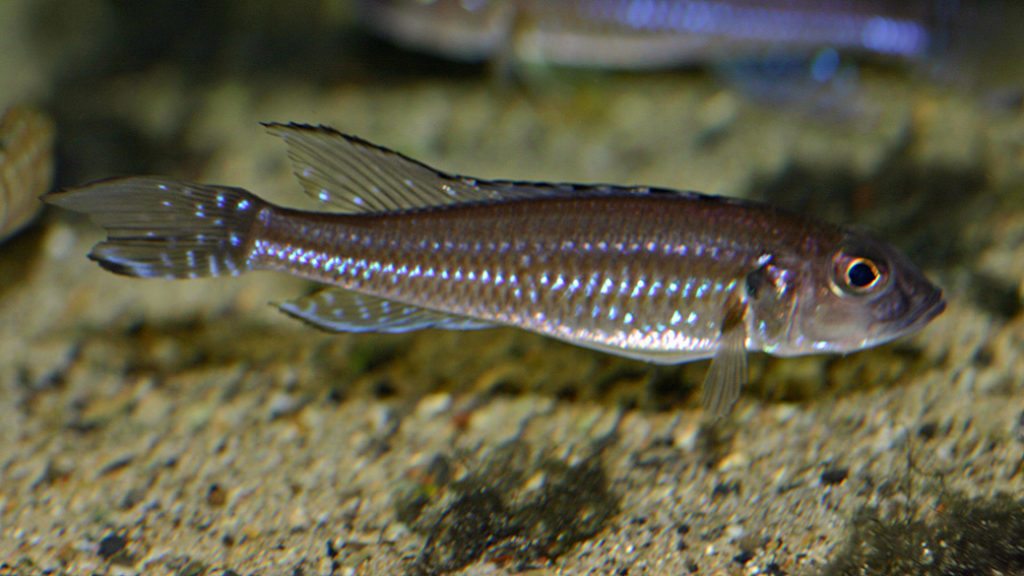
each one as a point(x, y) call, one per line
point(351, 175)
point(340, 310)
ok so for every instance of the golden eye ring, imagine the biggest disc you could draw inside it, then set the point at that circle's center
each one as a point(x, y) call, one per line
point(861, 275)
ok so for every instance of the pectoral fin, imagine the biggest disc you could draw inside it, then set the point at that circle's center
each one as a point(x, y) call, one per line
point(728, 371)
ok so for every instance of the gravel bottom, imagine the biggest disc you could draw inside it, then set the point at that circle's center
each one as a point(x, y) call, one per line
point(187, 428)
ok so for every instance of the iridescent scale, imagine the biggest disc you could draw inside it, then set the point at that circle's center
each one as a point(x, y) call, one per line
point(641, 273)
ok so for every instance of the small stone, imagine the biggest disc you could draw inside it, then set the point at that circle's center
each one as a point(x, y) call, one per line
point(282, 405)
point(834, 475)
point(112, 545)
point(298, 520)
point(216, 496)
point(433, 405)
point(686, 436)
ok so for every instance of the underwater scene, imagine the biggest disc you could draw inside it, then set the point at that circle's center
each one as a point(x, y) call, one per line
point(511, 287)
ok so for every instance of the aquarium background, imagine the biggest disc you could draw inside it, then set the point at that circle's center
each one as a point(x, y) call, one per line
point(166, 427)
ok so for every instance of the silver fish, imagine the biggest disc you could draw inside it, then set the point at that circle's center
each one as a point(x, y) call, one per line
point(654, 33)
point(658, 275)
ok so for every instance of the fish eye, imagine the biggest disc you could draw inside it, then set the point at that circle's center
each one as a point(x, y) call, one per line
point(857, 274)
point(862, 274)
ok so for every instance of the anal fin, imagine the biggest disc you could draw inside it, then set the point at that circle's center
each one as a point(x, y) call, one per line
point(340, 310)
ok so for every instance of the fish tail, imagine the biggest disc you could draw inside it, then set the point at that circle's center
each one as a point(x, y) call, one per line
point(162, 228)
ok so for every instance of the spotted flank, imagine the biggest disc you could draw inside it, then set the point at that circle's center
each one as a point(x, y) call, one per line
point(662, 276)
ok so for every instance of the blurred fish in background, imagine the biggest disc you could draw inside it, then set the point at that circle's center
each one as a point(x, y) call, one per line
point(645, 34)
point(772, 50)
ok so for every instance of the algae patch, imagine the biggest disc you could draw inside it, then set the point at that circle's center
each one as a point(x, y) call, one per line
point(512, 506)
point(965, 536)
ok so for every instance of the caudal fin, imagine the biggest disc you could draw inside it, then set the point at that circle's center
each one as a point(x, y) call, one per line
point(161, 228)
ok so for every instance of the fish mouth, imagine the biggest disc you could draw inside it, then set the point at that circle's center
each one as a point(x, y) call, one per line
point(930, 307)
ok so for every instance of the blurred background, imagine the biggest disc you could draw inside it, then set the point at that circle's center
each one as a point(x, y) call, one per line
point(904, 118)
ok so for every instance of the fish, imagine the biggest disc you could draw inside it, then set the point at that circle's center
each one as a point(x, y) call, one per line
point(26, 166)
point(664, 276)
point(649, 34)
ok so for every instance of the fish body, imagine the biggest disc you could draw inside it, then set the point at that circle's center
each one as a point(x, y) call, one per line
point(655, 33)
point(659, 275)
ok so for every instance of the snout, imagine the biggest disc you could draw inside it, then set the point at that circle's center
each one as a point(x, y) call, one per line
point(925, 310)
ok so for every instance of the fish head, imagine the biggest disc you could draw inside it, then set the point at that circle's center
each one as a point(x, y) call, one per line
point(861, 293)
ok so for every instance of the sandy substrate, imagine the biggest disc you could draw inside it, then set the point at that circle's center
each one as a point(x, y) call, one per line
point(160, 427)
